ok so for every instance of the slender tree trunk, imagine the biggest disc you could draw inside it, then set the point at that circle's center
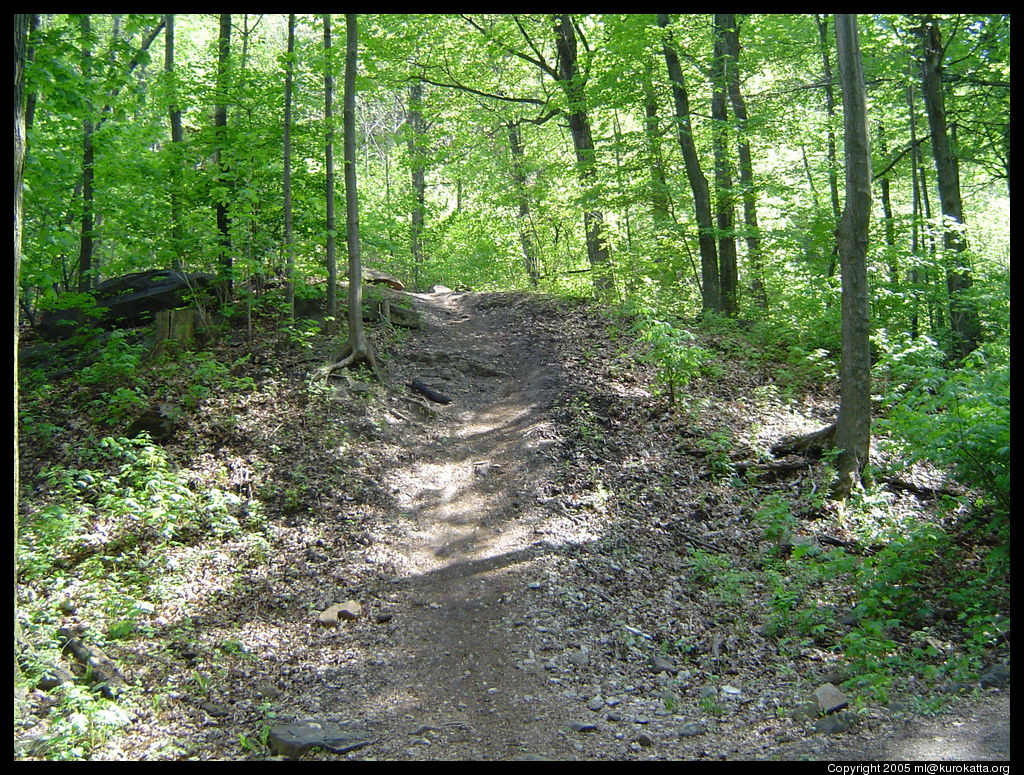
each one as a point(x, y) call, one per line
point(659, 191)
point(358, 349)
point(620, 181)
point(830, 113)
point(88, 225)
point(220, 121)
point(711, 294)
point(286, 182)
point(332, 229)
point(518, 159)
point(963, 316)
point(21, 31)
point(889, 223)
point(417, 167)
point(725, 212)
point(571, 82)
point(30, 57)
point(731, 41)
point(174, 116)
point(915, 238)
point(853, 426)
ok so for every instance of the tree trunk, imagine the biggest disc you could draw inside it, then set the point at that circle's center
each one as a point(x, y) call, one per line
point(21, 27)
point(358, 349)
point(915, 214)
point(963, 316)
point(417, 167)
point(830, 111)
point(731, 42)
point(572, 84)
point(86, 235)
point(176, 326)
point(220, 122)
point(727, 270)
point(659, 191)
point(889, 222)
point(853, 426)
point(174, 117)
point(518, 159)
point(286, 181)
point(30, 57)
point(711, 295)
point(332, 229)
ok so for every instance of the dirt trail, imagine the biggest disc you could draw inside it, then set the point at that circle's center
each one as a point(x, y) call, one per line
point(463, 544)
point(481, 659)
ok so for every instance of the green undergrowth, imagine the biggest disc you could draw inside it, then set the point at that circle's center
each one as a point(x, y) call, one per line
point(917, 595)
point(119, 538)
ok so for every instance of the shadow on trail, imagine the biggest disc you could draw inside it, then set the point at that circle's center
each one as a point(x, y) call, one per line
point(474, 567)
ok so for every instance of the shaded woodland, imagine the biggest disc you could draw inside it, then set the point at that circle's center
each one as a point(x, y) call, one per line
point(207, 203)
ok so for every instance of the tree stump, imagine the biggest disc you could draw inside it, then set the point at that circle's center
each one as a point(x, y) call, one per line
point(177, 326)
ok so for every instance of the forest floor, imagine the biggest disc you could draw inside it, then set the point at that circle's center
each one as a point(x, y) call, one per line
point(548, 567)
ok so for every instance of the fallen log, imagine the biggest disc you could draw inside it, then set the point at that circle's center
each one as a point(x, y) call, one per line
point(931, 493)
point(429, 392)
point(99, 668)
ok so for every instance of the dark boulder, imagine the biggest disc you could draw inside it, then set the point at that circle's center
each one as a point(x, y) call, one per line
point(129, 300)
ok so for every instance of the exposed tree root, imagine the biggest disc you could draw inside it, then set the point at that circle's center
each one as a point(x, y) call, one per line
point(350, 357)
point(770, 470)
point(810, 445)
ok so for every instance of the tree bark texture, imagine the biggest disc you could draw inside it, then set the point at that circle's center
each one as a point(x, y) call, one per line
point(853, 426)
point(220, 121)
point(963, 317)
point(711, 295)
point(725, 212)
point(286, 176)
point(332, 231)
point(572, 84)
point(358, 349)
point(417, 166)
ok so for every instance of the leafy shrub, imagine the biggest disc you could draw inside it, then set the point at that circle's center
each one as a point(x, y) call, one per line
point(95, 512)
point(118, 364)
point(672, 352)
point(118, 406)
point(959, 419)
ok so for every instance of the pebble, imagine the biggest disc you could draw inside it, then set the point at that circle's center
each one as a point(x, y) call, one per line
point(835, 723)
point(596, 703)
point(830, 699)
point(805, 711)
point(996, 676)
point(692, 729)
point(580, 657)
point(660, 664)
